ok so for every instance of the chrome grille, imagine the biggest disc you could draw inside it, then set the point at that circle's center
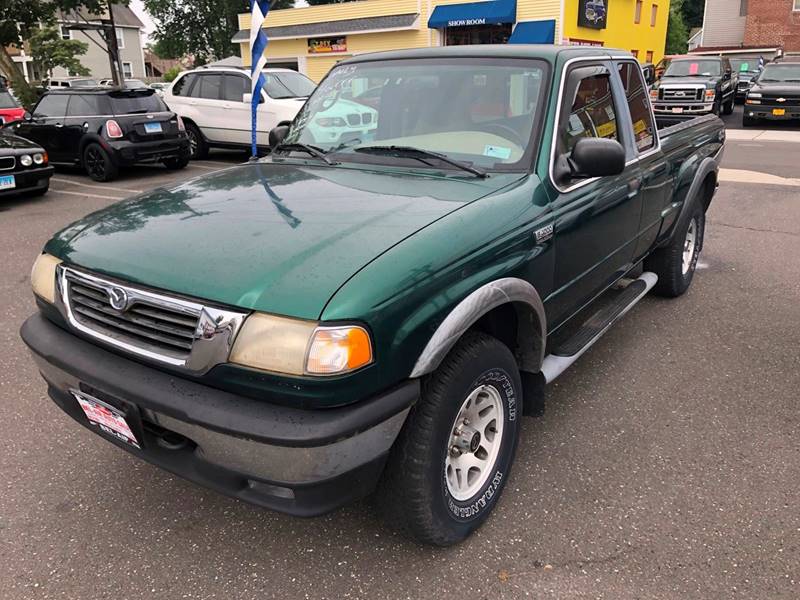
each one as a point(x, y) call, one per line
point(7, 163)
point(156, 327)
point(787, 100)
point(163, 328)
point(689, 94)
point(354, 119)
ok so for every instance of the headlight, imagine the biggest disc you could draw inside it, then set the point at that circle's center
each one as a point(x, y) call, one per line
point(654, 94)
point(295, 347)
point(710, 94)
point(43, 277)
point(26, 160)
point(754, 95)
point(38, 158)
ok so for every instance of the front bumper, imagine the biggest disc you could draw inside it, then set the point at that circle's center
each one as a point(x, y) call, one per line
point(682, 111)
point(301, 462)
point(28, 180)
point(766, 111)
point(126, 153)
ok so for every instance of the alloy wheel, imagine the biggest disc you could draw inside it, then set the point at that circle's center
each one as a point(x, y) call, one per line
point(689, 247)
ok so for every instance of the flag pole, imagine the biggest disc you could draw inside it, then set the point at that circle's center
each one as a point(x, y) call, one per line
point(258, 45)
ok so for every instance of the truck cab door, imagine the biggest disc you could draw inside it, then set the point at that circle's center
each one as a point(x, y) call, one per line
point(656, 178)
point(596, 219)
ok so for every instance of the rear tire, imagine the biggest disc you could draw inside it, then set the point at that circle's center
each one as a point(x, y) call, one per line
point(176, 163)
point(98, 163)
point(198, 146)
point(675, 263)
point(440, 486)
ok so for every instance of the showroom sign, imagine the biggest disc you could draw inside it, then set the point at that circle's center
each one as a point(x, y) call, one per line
point(327, 45)
point(592, 13)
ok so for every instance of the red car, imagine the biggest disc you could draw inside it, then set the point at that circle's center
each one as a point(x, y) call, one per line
point(10, 110)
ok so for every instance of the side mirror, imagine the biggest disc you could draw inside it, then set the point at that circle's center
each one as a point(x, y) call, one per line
point(596, 157)
point(277, 135)
point(27, 116)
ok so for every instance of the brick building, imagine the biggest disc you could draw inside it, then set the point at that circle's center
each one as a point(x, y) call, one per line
point(773, 23)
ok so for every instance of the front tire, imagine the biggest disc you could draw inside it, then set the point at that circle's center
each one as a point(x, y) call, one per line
point(449, 466)
point(98, 163)
point(675, 263)
point(727, 108)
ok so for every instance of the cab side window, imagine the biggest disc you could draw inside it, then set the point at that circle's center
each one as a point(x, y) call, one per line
point(590, 114)
point(639, 106)
point(51, 105)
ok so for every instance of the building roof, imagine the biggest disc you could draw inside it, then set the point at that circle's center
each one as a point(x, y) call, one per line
point(732, 49)
point(231, 61)
point(123, 17)
point(334, 27)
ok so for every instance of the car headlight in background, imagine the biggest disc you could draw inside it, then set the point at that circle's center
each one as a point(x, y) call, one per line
point(654, 94)
point(295, 347)
point(710, 94)
point(39, 158)
point(43, 277)
point(331, 122)
point(26, 160)
point(754, 95)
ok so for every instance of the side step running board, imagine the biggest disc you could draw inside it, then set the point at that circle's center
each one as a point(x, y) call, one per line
point(593, 329)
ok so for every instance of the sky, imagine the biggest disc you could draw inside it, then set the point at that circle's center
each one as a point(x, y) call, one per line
point(138, 7)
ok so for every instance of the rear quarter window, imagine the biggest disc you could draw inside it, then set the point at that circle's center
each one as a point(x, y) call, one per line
point(129, 104)
point(51, 105)
point(183, 85)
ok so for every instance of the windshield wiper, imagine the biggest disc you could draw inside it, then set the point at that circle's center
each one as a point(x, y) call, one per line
point(421, 155)
point(312, 150)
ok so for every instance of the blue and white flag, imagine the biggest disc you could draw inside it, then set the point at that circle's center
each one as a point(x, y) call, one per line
point(258, 44)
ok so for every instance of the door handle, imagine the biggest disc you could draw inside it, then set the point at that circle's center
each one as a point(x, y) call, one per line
point(59, 124)
point(633, 187)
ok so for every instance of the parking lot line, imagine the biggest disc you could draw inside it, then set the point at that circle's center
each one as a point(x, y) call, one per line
point(214, 162)
point(196, 166)
point(95, 186)
point(745, 176)
point(85, 194)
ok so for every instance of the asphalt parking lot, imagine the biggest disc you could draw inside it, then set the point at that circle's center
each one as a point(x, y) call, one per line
point(666, 466)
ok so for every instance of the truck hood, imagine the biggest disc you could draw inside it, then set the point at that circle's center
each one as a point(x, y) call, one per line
point(784, 88)
point(681, 81)
point(279, 238)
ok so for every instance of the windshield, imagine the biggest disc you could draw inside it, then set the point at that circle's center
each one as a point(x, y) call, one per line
point(692, 68)
point(481, 112)
point(785, 72)
point(7, 100)
point(84, 83)
point(749, 65)
point(288, 85)
point(127, 104)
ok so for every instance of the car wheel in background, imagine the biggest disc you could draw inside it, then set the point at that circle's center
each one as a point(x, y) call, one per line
point(675, 263)
point(717, 108)
point(749, 121)
point(176, 163)
point(197, 143)
point(452, 459)
point(98, 163)
point(727, 109)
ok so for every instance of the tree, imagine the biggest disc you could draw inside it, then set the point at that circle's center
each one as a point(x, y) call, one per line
point(677, 32)
point(201, 29)
point(692, 11)
point(49, 50)
point(19, 19)
point(171, 74)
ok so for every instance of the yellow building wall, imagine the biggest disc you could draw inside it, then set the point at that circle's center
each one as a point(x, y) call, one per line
point(622, 31)
point(316, 66)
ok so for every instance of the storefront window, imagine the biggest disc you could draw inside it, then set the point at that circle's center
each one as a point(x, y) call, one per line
point(477, 34)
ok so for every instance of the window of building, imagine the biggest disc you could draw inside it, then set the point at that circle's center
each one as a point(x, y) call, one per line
point(649, 56)
point(120, 38)
point(638, 104)
point(477, 34)
point(127, 70)
point(635, 53)
point(653, 14)
point(592, 114)
point(66, 34)
point(637, 15)
point(796, 6)
point(743, 8)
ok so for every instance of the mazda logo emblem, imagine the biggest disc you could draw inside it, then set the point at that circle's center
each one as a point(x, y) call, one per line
point(118, 298)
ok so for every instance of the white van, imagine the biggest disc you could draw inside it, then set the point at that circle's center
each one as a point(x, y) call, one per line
point(214, 103)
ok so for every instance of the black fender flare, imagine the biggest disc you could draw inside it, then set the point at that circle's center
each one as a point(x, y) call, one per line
point(707, 166)
point(531, 328)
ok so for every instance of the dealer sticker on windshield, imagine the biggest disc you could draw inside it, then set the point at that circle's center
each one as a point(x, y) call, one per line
point(500, 152)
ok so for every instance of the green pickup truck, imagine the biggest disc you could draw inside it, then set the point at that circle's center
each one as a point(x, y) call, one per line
point(376, 311)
